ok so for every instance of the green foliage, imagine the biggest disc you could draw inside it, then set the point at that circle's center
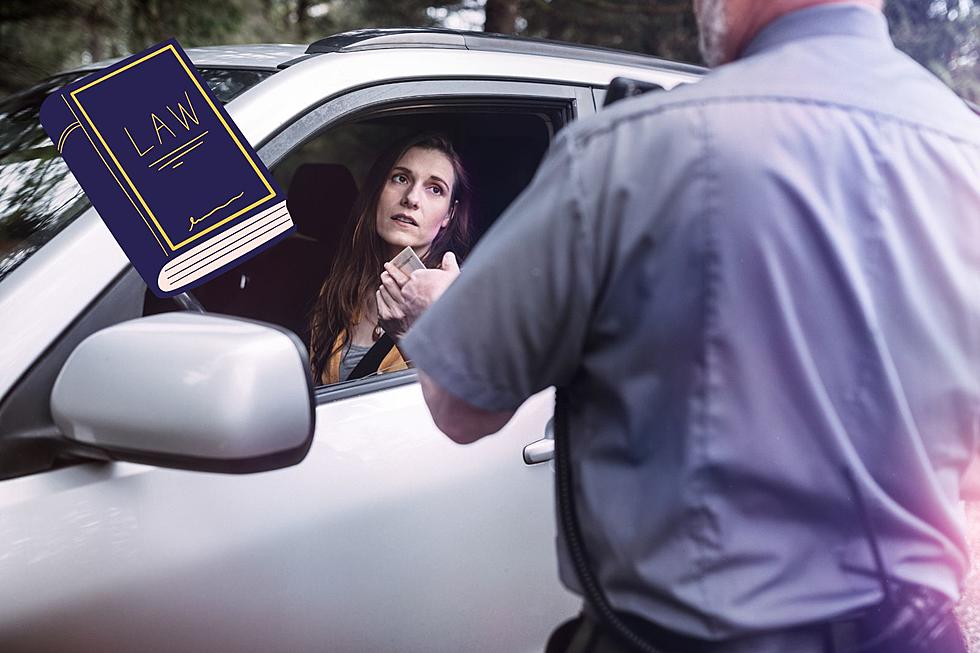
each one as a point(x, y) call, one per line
point(665, 28)
point(943, 36)
point(145, 22)
point(34, 37)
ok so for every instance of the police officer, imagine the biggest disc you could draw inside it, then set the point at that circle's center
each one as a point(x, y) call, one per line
point(758, 298)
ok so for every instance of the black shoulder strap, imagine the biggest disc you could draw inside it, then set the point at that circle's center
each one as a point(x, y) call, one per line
point(569, 523)
point(372, 359)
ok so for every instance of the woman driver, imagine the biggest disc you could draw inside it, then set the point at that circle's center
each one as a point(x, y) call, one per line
point(415, 195)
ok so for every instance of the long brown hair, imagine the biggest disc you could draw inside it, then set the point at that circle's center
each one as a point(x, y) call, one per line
point(357, 267)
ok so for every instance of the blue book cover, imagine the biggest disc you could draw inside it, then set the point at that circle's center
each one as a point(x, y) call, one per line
point(176, 182)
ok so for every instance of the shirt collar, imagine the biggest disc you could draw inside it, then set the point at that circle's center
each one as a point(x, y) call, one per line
point(839, 19)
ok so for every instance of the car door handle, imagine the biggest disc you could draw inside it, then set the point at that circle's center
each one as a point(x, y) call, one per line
point(541, 450)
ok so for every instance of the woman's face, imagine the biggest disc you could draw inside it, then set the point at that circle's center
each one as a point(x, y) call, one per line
point(414, 202)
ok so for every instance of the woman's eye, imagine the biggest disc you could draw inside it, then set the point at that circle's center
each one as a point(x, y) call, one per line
point(399, 178)
point(437, 190)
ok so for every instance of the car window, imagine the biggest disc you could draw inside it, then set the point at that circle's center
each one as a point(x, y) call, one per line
point(38, 194)
point(323, 176)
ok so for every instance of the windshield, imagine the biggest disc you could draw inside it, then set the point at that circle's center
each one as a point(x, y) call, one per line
point(38, 194)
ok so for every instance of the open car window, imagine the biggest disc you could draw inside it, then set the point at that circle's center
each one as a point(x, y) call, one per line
point(38, 194)
point(323, 176)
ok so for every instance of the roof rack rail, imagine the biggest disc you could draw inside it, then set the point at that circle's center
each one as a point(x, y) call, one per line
point(414, 37)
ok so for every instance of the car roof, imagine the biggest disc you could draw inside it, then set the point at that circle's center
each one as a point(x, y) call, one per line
point(274, 56)
point(409, 37)
point(261, 56)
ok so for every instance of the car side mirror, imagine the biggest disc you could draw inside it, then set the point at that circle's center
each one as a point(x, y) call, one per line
point(191, 391)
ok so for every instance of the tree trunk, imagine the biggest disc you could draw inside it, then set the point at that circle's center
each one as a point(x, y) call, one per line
point(93, 28)
point(501, 16)
point(302, 19)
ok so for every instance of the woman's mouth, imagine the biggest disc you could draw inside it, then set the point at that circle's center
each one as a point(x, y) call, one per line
point(401, 217)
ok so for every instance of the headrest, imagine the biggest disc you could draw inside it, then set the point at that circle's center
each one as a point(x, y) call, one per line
point(320, 198)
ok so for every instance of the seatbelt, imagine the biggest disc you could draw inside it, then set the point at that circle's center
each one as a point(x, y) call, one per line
point(372, 359)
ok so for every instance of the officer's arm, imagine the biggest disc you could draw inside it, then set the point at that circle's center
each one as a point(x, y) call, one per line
point(461, 421)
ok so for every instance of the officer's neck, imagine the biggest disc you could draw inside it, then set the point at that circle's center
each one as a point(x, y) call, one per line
point(746, 18)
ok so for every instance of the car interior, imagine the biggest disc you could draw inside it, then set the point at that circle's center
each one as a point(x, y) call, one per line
point(321, 177)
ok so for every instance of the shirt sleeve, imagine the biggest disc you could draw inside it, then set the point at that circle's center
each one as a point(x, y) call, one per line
point(515, 320)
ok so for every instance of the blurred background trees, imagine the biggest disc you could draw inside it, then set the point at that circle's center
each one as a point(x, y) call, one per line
point(942, 35)
point(40, 37)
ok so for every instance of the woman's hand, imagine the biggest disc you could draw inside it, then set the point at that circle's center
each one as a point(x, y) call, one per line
point(402, 298)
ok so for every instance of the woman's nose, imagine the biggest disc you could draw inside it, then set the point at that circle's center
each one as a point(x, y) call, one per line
point(411, 198)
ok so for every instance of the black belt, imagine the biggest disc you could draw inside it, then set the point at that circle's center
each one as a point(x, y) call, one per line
point(919, 620)
point(587, 635)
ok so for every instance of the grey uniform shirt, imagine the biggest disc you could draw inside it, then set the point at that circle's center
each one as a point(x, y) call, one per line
point(745, 285)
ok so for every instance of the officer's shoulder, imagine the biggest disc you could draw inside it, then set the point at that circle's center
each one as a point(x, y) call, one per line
point(656, 113)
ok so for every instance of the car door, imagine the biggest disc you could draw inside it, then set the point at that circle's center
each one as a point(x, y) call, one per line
point(446, 537)
point(386, 537)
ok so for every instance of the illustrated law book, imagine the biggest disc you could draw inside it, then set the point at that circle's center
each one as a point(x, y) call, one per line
point(169, 172)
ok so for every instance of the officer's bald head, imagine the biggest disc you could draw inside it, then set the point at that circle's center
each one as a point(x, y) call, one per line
point(727, 26)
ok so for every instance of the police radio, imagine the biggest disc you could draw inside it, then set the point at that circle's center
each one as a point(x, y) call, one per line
point(621, 88)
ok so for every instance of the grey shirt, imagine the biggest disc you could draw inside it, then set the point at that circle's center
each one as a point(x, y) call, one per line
point(743, 286)
point(351, 356)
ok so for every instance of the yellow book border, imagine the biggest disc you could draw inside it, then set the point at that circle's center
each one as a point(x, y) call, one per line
point(170, 48)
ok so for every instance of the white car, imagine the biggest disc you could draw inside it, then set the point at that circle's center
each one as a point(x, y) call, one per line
point(364, 529)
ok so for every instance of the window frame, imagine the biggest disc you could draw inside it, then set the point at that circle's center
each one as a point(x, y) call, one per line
point(356, 103)
point(575, 101)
